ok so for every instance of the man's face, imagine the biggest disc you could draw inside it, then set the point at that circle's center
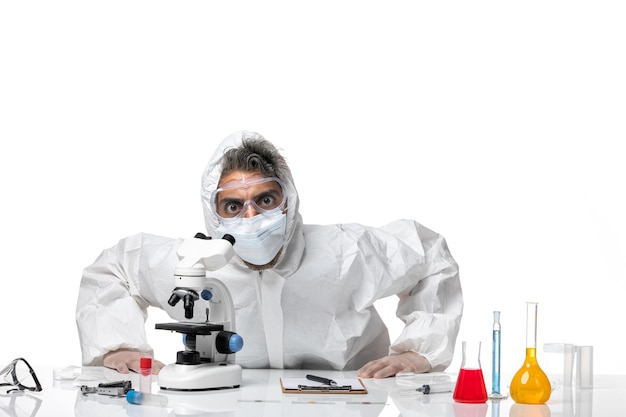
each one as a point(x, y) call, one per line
point(245, 194)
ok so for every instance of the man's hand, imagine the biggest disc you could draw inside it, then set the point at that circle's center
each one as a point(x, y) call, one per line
point(392, 364)
point(123, 360)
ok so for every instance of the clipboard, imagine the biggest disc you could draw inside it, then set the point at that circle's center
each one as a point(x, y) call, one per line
point(305, 386)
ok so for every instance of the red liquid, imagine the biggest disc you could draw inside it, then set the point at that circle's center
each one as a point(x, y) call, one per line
point(470, 387)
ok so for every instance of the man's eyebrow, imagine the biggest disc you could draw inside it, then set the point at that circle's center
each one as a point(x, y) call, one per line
point(269, 191)
point(229, 199)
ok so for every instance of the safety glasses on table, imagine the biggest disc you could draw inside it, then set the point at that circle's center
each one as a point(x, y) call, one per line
point(19, 376)
point(263, 195)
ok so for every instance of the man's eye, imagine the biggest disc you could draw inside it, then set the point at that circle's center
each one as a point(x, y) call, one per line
point(267, 201)
point(232, 208)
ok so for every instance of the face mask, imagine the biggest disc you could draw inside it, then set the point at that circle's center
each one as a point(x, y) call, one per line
point(257, 239)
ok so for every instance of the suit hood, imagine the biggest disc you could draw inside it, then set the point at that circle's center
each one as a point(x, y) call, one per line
point(210, 180)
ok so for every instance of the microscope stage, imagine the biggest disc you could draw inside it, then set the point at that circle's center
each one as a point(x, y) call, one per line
point(190, 328)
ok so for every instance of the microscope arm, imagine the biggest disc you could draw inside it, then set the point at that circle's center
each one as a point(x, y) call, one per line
point(197, 256)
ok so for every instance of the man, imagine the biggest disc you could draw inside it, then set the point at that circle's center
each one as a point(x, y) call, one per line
point(304, 294)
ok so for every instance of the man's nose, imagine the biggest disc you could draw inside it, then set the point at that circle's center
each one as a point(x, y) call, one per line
point(249, 211)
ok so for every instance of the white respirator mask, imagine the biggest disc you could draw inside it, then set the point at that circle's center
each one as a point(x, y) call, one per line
point(258, 238)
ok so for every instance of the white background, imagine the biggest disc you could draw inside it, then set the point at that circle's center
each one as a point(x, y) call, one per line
point(499, 126)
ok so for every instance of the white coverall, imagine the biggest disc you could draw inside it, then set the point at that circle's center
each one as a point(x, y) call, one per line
point(313, 310)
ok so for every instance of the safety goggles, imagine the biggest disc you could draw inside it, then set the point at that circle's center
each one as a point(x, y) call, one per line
point(235, 199)
point(19, 376)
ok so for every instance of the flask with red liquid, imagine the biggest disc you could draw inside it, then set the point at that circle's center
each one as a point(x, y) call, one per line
point(470, 384)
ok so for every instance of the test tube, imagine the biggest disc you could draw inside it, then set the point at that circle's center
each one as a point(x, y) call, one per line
point(568, 351)
point(145, 375)
point(495, 359)
point(584, 366)
point(143, 398)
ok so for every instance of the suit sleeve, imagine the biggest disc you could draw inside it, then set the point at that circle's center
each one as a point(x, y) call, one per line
point(431, 304)
point(110, 311)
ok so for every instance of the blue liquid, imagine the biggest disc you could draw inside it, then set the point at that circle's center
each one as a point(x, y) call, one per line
point(495, 363)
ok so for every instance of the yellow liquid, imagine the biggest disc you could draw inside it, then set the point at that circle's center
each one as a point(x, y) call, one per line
point(530, 385)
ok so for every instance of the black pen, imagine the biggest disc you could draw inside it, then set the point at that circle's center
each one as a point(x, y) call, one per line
point(321, 379)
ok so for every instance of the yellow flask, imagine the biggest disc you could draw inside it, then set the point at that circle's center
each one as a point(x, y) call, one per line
point(530, 385)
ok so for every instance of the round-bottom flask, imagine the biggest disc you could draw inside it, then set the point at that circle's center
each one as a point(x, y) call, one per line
point(530, 385)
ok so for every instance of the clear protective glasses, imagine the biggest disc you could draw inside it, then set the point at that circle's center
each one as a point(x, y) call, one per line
point(19, 376)
point(261, 195)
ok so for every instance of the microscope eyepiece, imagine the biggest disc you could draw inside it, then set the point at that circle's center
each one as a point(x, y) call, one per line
point(174, 299)
point(230, 238)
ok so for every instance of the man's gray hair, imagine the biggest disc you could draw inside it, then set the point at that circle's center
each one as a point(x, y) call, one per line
point(255, 155)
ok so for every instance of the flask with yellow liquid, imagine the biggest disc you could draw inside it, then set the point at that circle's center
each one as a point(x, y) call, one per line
point(530, 385)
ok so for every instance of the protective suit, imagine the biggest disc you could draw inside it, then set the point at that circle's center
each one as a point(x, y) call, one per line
point(314, 309)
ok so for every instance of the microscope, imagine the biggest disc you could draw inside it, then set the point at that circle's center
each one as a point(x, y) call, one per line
point(208, 361)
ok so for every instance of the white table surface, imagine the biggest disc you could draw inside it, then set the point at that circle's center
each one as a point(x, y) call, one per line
point(260, 395)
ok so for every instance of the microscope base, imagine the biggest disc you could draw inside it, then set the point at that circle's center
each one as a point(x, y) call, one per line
point(206, 376)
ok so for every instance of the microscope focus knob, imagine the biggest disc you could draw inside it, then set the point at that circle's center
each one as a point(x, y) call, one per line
point(188, 357)
point(228, 342)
